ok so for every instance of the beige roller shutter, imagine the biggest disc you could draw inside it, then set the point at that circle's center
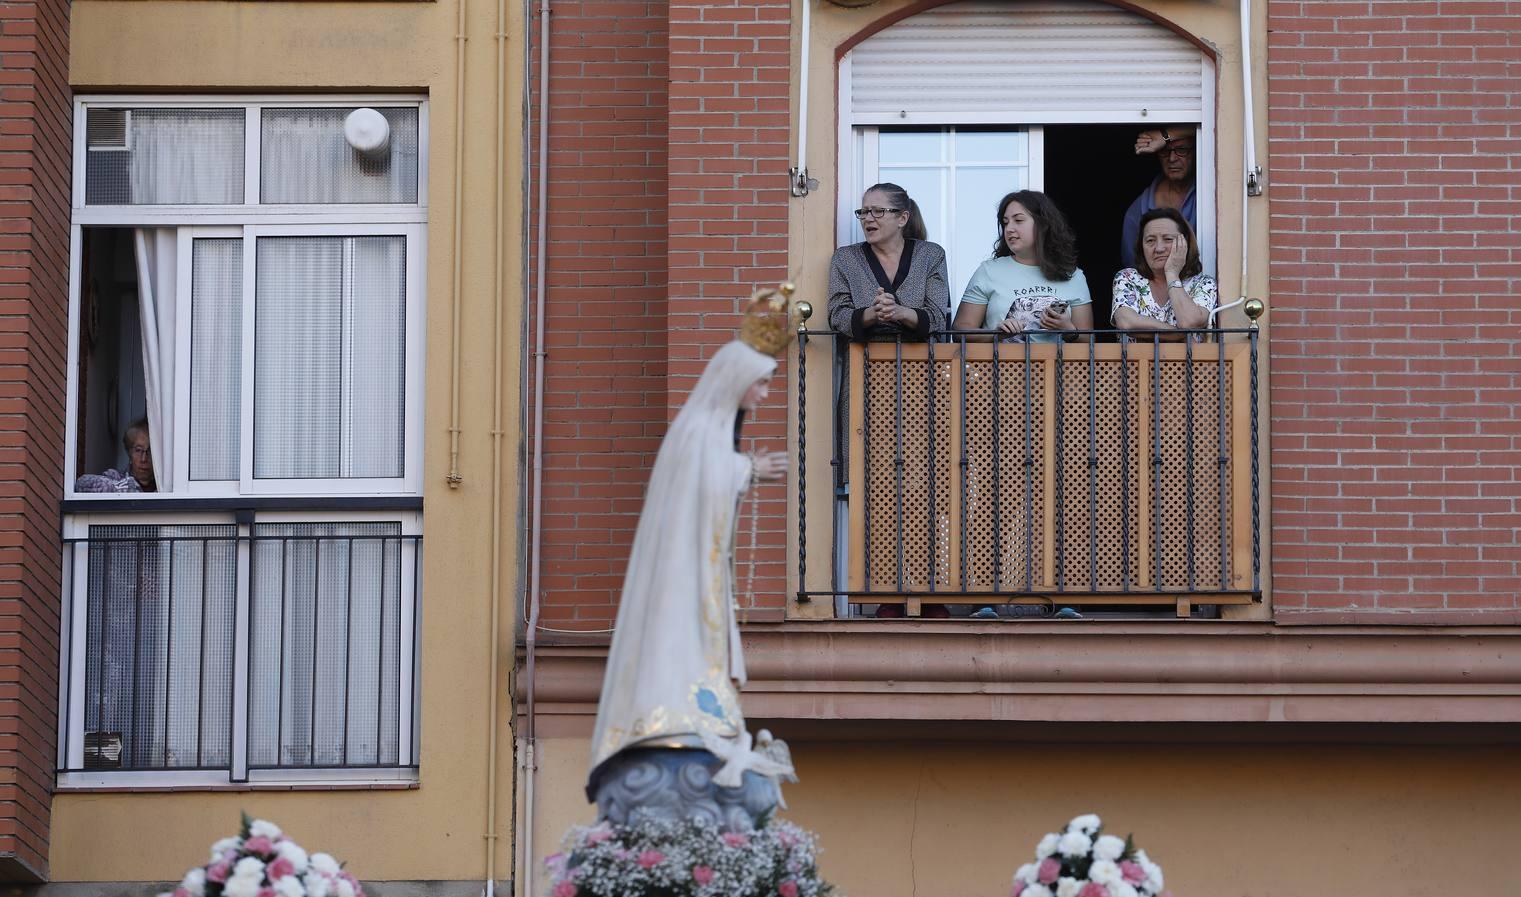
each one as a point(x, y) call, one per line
point(985, 61)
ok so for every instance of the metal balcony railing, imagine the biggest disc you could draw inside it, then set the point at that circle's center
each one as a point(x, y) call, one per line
point(236, 648)
point(1111, 471)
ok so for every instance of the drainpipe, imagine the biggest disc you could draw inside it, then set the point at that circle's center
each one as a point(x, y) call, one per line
point(530, 745)
point(1250, 169)
point(801, 184)
point(454, 477)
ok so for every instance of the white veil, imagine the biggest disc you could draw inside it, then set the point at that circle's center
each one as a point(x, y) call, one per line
point(676, 654)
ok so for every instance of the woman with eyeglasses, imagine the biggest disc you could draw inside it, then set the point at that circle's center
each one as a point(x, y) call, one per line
point(1031, 289)
point(894, 283)
point(1173, 187)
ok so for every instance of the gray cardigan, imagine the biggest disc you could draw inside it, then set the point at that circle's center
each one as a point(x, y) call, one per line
point(853, 286)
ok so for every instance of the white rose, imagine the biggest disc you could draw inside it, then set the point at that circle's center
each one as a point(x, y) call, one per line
point(249, 866)
point(1087, 824)
point(1153, 875)
point(1068, 887)
point(1105, 872)
point(1036, 890)
point(195, 882)
point(1026, 873)
point(344, 888)
point(1047, 846)
point(1108, 847)
point(325, 864)
point(290, 886)
point(242, 886)
point(1122, 889)
point(1074, 844)
point(260, 827)
point(293, 852)
point(317, 885)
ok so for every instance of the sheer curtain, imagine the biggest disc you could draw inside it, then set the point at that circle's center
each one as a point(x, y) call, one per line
point(304, 157)
point(155, 248)
point(187, 156)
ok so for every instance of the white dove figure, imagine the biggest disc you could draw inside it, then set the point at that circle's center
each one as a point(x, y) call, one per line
point(738, 756)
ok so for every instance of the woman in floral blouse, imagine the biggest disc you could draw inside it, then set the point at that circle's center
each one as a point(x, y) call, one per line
point(1167, 289)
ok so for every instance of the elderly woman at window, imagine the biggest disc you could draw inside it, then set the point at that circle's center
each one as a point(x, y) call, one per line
point(1167, 289)
point(894, 283)
point(139, 474)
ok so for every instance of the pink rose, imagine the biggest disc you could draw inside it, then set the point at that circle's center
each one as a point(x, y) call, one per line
point(735, 839)
point(259, 846)
point(266, 892)
point(1050, 870)
point(787, 888)
point(181, 892)
point(280, 868)
point(702, 875)
point(1019, 888)
point(1133, 872)
point(219, 871)
point(564, 889)
point(598, 835)
point(650, 859)
point(1093, 889)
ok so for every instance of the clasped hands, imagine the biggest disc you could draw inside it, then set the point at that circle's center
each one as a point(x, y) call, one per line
point(885, 309)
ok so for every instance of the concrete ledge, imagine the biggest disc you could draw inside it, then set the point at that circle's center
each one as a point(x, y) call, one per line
point(841, 674)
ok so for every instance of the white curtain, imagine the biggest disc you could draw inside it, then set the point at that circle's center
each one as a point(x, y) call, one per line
point(304, 157)
point(187, 156)
point(156, 271)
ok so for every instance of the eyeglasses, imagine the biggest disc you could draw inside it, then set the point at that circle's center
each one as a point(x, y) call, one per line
point(1182, 152)
point(875, 212)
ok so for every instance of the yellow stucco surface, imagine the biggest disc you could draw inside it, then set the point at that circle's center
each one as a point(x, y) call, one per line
point(956, 820)
point(434, 831)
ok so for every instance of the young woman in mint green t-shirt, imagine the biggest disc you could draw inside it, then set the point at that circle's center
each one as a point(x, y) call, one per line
point(1032, 287)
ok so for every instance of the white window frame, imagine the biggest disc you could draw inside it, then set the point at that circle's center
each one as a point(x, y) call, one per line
point(74, 620)
point(250, 220)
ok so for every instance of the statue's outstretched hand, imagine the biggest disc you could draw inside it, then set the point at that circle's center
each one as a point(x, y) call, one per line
point(769, 466)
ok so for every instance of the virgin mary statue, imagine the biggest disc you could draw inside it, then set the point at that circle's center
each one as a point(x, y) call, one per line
point(675, 665)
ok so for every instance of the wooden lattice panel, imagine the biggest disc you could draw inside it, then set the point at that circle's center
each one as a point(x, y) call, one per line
point(1189, 490)
point(1099, 514)
point(1032, 469)
point(908, 416)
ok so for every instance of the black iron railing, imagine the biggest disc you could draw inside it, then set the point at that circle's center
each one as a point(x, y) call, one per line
point(1117, 469)
point(216, 647)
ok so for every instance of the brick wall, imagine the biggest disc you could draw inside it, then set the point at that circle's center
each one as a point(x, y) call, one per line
point(665, 120)
point(729, 142)
point(35, 127)
point(605, 399)
point(1394, 140)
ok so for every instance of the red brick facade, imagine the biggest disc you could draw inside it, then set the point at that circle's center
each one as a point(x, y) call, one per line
point(35, 150)
point(668, 199)
point(1394, 134)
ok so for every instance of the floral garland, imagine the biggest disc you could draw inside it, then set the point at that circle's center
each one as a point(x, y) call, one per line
point(1081, 861)
point(263, 862)
point(687, 858)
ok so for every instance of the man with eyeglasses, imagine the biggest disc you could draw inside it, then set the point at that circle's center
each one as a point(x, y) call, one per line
point(138, 477)
point(1173, 187)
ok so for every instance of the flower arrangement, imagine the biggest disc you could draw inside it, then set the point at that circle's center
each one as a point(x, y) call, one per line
point(1082, 861)
point(652, 857)
point(263, 862)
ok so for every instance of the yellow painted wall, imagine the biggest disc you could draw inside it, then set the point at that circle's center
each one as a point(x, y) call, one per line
point(434, 831)
point(956, 820)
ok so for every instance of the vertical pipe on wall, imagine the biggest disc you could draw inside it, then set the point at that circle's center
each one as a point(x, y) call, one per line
point(454, 478)
point(498, 234)
point(1248, 131)
point(530, 760)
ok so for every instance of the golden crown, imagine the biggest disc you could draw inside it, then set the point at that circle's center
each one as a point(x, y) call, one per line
point(771, 319)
